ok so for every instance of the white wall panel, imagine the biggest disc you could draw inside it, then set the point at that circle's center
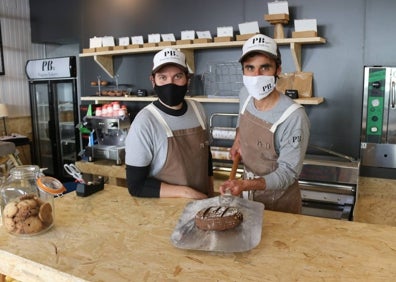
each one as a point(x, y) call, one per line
point(17, 49)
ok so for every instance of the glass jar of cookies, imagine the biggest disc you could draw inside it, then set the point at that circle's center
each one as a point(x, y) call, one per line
point(25, 209)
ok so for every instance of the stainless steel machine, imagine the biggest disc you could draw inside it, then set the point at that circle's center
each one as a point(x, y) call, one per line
point(378, 135)
point(222, 135)
point(109, 138)
point(329, 185)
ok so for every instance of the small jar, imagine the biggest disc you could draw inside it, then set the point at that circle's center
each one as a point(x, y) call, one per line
point(98, 111)
point(110, 110)
point(116, 106)
point(104, 110)
point(124, 110)
point(121, 112)
point(25, 209)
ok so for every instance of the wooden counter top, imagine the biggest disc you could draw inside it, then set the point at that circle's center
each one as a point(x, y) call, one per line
point(111, 236)
point(116, 174)
point(376, 201)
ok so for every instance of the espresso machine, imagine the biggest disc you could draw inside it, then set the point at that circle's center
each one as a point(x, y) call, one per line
point(107, 138)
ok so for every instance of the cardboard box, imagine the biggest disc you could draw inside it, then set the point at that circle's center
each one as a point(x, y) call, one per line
point(119, 47)
point(304, 34)
point(166, 43)
point(185, 41)
point(243, 37)
point(89, 50)
point(133, 46)
point(223, 39)
point(150, 45)
point(101, 49)
point(202, 40)
point(276, 17)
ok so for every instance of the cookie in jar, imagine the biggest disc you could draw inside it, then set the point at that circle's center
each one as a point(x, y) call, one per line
point(26, 209)
point(27, 215)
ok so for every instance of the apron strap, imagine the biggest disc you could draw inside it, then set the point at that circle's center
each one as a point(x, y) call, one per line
point(158, 116)
point(285, 115)
point(169, 132)
point(197, 113)
point(245, 104)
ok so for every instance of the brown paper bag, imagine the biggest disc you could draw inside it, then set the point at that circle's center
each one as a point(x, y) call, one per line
point(300, 81)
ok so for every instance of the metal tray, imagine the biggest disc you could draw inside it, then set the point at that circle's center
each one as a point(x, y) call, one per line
point(240, 239)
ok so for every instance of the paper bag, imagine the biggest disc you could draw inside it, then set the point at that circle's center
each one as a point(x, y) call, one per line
point(300, 81)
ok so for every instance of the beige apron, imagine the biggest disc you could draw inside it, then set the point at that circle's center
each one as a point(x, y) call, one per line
point(260, 158)
point(187, 157)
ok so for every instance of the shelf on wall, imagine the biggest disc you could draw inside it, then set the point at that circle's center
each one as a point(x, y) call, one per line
point(202, 99)
point(105, 58)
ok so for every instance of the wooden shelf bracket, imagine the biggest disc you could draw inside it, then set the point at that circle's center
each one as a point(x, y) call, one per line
point(189, 53)
point(295, 49)
point(106, 63)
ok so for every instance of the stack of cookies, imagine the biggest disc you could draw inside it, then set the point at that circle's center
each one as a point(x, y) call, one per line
point(27, 215)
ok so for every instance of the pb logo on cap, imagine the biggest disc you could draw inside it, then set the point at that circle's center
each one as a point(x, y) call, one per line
point(260, 43)
point(169, 53)
point(169, 56)
point(258, 40)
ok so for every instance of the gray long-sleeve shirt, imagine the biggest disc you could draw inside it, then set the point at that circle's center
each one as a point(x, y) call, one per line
point(291, 157)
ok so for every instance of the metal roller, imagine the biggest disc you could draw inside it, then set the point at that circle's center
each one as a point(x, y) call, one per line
point(223, 133)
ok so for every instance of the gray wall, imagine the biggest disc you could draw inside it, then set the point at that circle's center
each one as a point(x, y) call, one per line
point(358, 33)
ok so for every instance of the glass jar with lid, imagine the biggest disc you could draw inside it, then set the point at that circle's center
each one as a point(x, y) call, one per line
point(25, 209)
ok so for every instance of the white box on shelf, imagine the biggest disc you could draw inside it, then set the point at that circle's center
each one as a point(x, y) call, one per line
point(168, 37)
point(187, 35)
point(108, 41)
point(154, 38)
point(249, 28)
point(278, 7)
point(305, 25)
point(123, 41)
point(204, 34)
point(225, 31)
point(136, 40)
point(95, 42)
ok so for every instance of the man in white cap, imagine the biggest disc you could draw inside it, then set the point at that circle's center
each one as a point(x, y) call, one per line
point(167, 147)
point(272, 134)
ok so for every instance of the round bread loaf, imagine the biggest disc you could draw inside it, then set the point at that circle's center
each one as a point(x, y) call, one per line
point(218, 218)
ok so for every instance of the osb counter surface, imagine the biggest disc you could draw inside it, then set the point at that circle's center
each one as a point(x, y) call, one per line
point(376, 201)
point(111, 236)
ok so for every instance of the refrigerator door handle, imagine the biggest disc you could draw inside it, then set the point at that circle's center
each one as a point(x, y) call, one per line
point(393, 94)
point(51, 133)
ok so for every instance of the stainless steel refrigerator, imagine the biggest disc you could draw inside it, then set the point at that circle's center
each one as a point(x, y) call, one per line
point(378, 135)
point(55, 114)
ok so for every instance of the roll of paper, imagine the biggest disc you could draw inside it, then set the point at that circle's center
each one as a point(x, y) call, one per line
point(220, 153)
point(223, 133)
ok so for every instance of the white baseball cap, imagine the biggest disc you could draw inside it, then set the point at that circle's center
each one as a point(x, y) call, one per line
point(262, 44)
point(169, 56)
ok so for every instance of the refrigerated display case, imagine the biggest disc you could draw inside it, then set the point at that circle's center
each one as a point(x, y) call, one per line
point(54, 111)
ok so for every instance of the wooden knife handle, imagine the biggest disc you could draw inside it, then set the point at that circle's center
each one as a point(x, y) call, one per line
point(235, 164)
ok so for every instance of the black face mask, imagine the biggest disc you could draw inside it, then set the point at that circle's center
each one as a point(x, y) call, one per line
point(171, 94)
